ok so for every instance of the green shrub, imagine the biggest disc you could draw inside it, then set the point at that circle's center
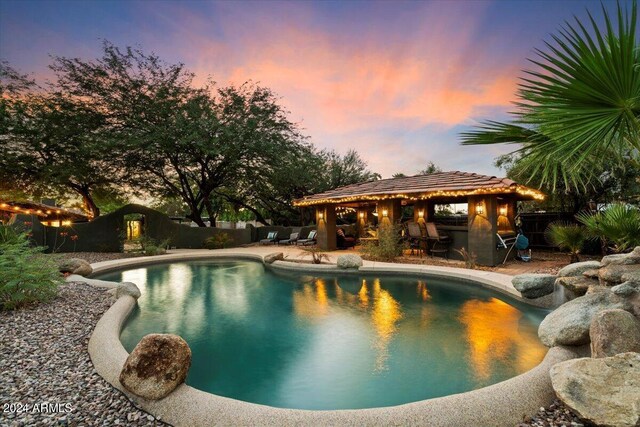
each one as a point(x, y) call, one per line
point(566, 236)
point(389, 244)
point(26, 275)
point(218, 241)
point(618, 226)
point(151, 247)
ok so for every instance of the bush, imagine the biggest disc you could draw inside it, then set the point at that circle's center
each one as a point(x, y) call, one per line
point(389, 245)
point(566, 236)
point(150, 247)
point(218, 241)
point(26, 275)
point(618, 226)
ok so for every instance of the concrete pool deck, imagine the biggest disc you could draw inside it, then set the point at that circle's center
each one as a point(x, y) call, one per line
point(504, 403)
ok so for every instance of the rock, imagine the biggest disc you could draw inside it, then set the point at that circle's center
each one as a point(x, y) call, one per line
point(631, 276)
point(577, 268)
point(594, 289)
point(127, 288)
point(593, 274)
point(613, 332)
point(271, 258)
point(157, 365)
point(534, 285)
point(569, 323)
point(626, 289)
point(632, 257)
point(612, 274)
point(576, 284)
point(349, 261)
point(75, 266)
point(602, 391)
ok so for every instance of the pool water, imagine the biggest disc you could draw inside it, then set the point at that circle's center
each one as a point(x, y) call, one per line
point(320, 342)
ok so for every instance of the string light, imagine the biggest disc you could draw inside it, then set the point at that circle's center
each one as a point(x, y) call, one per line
point(518, 189)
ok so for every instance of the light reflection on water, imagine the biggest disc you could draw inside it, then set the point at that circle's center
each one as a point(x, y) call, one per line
point(332, 342)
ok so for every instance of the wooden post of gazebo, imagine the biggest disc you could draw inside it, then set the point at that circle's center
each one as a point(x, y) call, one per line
point(389, 211)
point(362, 218)
point(326, 220)
point(483, 228)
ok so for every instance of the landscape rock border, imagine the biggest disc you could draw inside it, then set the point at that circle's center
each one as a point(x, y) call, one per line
point(502, 403)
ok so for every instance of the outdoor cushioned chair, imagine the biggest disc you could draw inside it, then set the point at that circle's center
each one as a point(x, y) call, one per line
point(310, 240)
point(439, 242)
point(293, 238)
point(415, 238)
point(272, 238)
point(343, 241)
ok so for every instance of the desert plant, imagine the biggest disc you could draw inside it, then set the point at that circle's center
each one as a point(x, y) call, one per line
point(389, 244)
point(469, 258)
point(617, 226)
point(566, 236)
point(26, 275)
point(151, 247)
point(218, 241)
point(317, 255)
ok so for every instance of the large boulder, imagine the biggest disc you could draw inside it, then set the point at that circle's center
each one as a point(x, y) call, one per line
point(578, 268)
point(632, 257)
point(569, 323)
point(578, 285)
point(534, 285)
point(612, 274)
point(349, 261)
point(157, 365)
point(603, 391)
point(613, 332)
point(593, 274)
point(75, 266)
point(127, 288)
point(271, 258)
point(626, 289)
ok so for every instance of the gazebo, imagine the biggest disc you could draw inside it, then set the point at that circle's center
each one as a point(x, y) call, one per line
point(491, 205)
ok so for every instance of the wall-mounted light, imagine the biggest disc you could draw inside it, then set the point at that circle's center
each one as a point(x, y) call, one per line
point(321, 215)
point(361, 215)
point(420, 214)
point(385, 212)
point(503, 210)
point(480, 209)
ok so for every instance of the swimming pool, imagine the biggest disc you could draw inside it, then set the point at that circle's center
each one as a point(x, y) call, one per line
point(321, 342)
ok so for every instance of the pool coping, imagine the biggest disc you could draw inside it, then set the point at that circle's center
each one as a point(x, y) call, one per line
point(504, 403)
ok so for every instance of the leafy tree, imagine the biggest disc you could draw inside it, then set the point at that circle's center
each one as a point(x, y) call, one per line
point(431, 168)
point(51, 143)
point(344, 170)
point(604, 183)
point(580, 106)
point(180, 141)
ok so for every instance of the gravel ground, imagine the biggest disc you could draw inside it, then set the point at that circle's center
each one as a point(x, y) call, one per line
point(92, 257)
point(555, 415)
point(44, 361)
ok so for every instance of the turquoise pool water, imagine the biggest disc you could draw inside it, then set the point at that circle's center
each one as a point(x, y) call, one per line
point(343, 342)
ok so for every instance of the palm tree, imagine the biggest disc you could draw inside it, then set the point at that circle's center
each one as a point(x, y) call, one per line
point(618, 225)
point(567, 236)
point(581, 104)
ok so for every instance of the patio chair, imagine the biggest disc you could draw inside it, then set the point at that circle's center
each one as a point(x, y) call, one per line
point(415, 238)
point(439, 242)
point(310, 240)
point(272, 238)
point(293, 238)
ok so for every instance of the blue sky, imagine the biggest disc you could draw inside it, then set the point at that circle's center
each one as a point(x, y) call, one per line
point(396, 81)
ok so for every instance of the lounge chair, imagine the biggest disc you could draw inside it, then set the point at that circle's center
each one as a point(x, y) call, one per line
point(293, 238)
point(272, 238)
point(310, 240)
point(439, 242)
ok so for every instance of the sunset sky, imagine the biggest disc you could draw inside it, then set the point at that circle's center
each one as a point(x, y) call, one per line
point(397, 81)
